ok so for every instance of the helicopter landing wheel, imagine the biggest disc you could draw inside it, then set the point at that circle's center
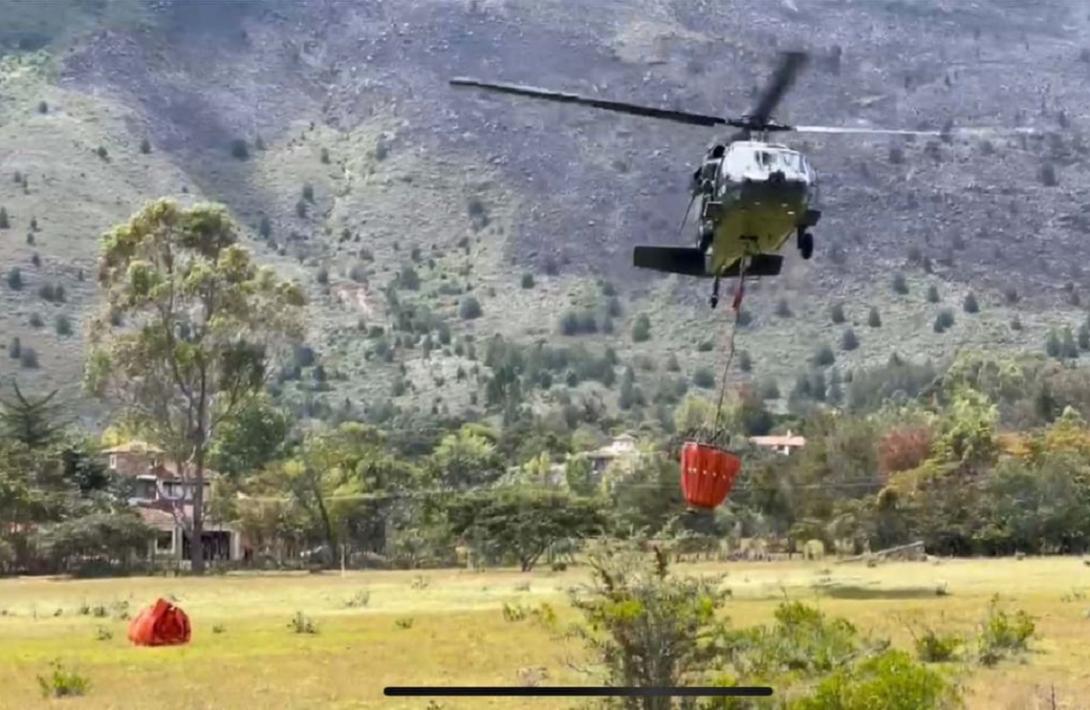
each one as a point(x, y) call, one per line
point(806, 244)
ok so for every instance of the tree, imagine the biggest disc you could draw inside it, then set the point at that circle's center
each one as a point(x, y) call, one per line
point(1053, 345)
point(745, 362)
point(465, 459)
point(5, 221)
point(211, 325)
point(641, 331)
point(647, 627)
point(932, 294)
point(873, 319)
point(524, 522)
point(837, 313)
point(35, 423)
point(252, 438)
point(145, 146)
point(15, 279)
point(900, 285)
point(970, 305)
point(849, 341)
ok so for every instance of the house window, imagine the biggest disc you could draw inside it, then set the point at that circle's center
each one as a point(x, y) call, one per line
point(145, 490)
point(164, 542)
point(172, 489)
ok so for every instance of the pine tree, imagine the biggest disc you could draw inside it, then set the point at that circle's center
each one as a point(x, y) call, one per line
point(34, 423)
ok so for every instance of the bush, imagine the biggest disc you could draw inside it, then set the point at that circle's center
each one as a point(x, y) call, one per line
point(469, 308)
point(672, 364)
point(61, 683)
point(705, 346)
point(408, 279)
point(1011, 294)
point(890, 680)
point(325, 156)
point(849, 341)
point(1003, 634)
point(641, 331)
point(5, 221)
point(15, 348)
point(308, 192)
point(936, 648)
point(302, 624)
point(896, 155)
point(43, 107)
point(527, 281)
point(15, 278)
point(264, 228)
point(301, 209)
point(932, 294)
point(769, 389)
point(745, 363)
point(944, 320)
point(52, 293)
point(102, 152)
point(874, 320)
point(1048, 175)
point(239, 149)
point(836, 314)
point(824, 356)
point(36, 321)
point(783, 309)
point(358, 600)
point(63, 325)
point(900, 285)
point(145, 146)
point(703, 377)
point(970, 305)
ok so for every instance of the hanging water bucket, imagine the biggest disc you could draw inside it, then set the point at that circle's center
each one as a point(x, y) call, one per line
point(707, 474)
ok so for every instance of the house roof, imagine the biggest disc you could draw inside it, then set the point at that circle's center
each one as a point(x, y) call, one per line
point(789, 440)
point(156, 518)
point(134, 447)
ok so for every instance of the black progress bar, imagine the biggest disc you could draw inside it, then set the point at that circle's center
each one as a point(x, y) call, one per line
point(575, 691)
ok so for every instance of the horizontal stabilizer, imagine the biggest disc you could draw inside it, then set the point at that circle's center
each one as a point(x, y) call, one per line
point(689, 261)
point(673, 260)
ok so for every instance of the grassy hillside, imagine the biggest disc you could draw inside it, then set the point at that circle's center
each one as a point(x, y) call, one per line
point(330, 132)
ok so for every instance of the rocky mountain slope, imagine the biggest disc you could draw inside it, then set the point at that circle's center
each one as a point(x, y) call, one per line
point(329, 129)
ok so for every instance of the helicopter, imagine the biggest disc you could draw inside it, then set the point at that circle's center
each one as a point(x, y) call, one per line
point(754, 195)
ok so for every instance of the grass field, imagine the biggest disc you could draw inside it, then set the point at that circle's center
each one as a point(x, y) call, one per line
point(458, 634)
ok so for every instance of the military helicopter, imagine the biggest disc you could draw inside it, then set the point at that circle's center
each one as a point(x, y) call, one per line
point(754, 194)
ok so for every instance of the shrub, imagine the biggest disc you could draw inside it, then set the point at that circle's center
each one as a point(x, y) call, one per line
point(43, 107)
point(15, 348)
point(1003, 634)
point(936, 648)
point(301, 209)
point(874, 320)
point(900, 285)
point(1048, 175)
point(970, 305)
point(703, 377)
point(889, 680)
point(705, 346)
point(745, 363)
point(358, 273)
point(239, 149)
point(36, 259)
point(944, 320)
point(52, 293)
point(824, 356)
point(641, 331)
point(1016, 323)
point(5, 221)
point(527, 281)
point(322, 276)
point(264, 228)
point(30, 238)
point(63, 325)
point(469, 308)
point(783, 309)
point(358, 600)
point(744, 317)
point(145, 146)
point(514, 612)
point(36, 321)
point(61, 683)
point(15, 278)
point(896, 155)
point(672, 364)
point(103, 633)
point(308, 192)
point(302, 624)
point(325, 156)
point(932, 294)
point(769, 389)
point(102, 152)
point(836, 314)
point(1053, 346)
point(849, 341)
point(408, 279)
point(404, 623)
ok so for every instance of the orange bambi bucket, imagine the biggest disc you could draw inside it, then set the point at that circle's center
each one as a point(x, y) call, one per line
point(707, 474)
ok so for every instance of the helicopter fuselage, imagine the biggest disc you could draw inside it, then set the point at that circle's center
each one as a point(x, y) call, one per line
point(754, 197)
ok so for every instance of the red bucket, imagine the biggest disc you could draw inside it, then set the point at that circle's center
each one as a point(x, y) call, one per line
point(707, 474)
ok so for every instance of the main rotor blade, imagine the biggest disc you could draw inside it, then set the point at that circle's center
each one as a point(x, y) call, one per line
point(956, 131)
point(693, 119)
point(790, 65)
